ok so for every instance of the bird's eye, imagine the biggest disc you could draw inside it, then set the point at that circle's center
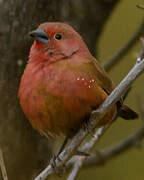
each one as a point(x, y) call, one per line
point(58, 36)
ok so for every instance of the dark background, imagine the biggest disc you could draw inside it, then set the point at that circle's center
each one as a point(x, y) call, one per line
point(105, 25)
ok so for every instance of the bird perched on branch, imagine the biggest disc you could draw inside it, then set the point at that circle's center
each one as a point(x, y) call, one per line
point(63, 83)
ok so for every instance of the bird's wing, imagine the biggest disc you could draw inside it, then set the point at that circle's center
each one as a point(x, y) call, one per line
point(104, 81)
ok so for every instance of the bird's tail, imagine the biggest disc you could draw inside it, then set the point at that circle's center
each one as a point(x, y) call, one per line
point(127, 113)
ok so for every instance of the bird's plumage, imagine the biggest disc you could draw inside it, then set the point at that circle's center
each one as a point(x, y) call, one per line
point(63, 83)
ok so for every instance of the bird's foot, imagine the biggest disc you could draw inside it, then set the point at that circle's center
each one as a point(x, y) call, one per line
point(87, 126)
point(58, 170)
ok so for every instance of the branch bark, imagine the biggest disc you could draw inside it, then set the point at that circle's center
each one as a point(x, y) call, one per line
point(102, 156)
point(85, 148)
point(95, 117)
point(107, 154)
point(2, 165)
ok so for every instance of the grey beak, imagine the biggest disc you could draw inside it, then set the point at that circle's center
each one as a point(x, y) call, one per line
point(40, 35)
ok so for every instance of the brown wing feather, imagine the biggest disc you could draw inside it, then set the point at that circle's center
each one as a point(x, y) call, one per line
point(108, 86)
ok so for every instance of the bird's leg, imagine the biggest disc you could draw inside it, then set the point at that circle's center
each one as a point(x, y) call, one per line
point(59, 171)
point(87, 127)
point(63, 146)
point(53, 160)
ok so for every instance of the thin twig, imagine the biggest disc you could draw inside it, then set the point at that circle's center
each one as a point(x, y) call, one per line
point(95, 118)
point(140, 6)
point(107, 154)
point(2, 165)
point(124, 49)
point(86, 148)
point(115, 150)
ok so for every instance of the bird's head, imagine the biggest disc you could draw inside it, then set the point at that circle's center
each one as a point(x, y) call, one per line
point(55, 41)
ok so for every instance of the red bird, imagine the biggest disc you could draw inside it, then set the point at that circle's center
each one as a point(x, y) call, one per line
point(62, 83)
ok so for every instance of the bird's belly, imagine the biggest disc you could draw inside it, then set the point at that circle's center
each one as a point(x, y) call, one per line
point(52, 114)
point(55, 115)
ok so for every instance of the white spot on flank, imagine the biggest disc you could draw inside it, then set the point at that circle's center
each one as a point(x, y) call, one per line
point(92, 80)
point(82, 79)
point(89, 86)
point(78, 79)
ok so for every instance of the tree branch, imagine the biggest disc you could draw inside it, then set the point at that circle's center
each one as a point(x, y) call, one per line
point(78, 161)
point(95, 118)
point(109, 153)
point(102, 156)
point(118, 55)
point(2, 165)
point(140, 6)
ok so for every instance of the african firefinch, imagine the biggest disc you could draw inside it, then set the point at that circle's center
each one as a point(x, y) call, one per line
point(63, 83)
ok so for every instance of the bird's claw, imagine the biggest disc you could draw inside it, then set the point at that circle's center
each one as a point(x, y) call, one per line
point(87, 126)
point(58, 170)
